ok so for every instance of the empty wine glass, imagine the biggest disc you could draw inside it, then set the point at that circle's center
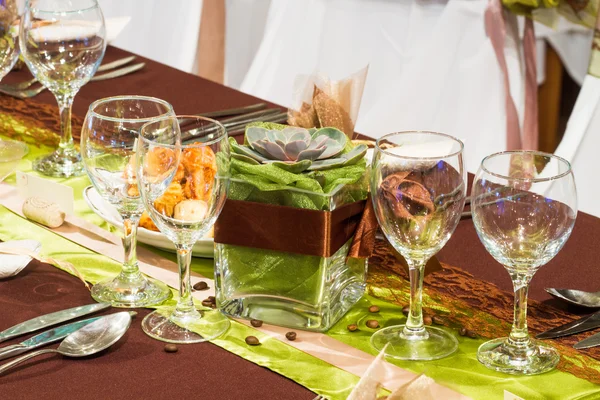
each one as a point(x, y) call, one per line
point(9, 35)
point(108, 137)
point(183, 187)
point(524, 206)
point(63, 43)
point(418, 187)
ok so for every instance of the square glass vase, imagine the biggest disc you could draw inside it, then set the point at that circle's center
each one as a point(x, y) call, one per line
point(288, 289)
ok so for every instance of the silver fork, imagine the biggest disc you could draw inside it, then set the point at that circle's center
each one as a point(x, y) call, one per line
point(105, 67)
point(28, 93)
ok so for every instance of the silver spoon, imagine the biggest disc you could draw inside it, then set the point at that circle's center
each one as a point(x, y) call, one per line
point(88, 340)
point(577, 297)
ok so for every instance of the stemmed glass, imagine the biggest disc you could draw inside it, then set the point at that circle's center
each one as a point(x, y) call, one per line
point(63, 43)
point(9, 29)
point(183, 187)
point(418, 187)
point(524, 206)
point(108, 138)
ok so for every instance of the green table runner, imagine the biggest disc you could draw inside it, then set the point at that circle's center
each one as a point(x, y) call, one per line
point(461, 371)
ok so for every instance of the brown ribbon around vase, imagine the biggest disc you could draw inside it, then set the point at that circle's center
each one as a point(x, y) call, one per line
point(298, 230)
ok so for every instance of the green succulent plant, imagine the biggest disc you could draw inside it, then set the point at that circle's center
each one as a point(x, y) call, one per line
point(297, 149)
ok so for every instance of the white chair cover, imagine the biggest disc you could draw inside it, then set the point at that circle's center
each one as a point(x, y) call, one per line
point(164, 31)
point(431, 65)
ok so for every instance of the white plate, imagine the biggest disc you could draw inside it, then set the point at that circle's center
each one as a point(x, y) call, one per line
point(203, 247)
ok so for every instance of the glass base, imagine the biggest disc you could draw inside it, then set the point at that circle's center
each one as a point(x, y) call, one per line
point(500, 355)
point(161, 325)
point(61, 163)
point(128, 292)
point(432, 344)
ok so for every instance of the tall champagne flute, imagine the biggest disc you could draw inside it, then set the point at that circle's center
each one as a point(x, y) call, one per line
point(108, 138)
point(418, 187)
point(524, 205)
point(9, 31)
point(63, 43)
point(183, 187)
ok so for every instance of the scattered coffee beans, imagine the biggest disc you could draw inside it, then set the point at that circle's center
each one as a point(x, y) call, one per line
point(352, 327)
point(290, 336)
point(462, 331)
point(427, 320)
point(252, 340)
point(471, 334)
point(406, 310)
point(373, 309)
point(438, 320)
point(257, 323)
point(207, 303)
point(171, 348)
point(373, 324)
point(200, 286)
point(211, 298)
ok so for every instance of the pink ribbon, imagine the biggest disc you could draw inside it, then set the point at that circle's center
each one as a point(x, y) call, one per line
point(495, 26)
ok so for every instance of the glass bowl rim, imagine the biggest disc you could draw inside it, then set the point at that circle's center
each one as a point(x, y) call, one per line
point(533, 152)
point(428, 133)
point(73, 11)
point(220, 128)
point(91, 108)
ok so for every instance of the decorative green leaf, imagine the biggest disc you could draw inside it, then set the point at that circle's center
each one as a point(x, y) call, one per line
point(247, 159)
point(295, 168)
point(355, 155)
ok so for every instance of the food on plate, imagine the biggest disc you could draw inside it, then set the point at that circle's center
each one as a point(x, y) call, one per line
point(187, 196)
point(191, 210)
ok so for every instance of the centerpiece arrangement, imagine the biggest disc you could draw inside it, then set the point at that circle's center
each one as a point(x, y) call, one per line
point(290, 242)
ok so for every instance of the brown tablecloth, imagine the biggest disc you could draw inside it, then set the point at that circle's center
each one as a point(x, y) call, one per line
point(206, 371)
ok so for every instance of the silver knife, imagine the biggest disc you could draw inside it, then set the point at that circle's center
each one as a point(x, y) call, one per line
point(591, 341)
point(47, 337)
point(47, 320)
point(115, 64)
point(581, 325)
point(118, 72)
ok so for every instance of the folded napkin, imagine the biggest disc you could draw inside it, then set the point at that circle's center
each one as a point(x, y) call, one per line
point(12, 264)
point(369, 385)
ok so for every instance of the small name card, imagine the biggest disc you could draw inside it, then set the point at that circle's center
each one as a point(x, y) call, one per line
point(34, 186)
point(509, 396)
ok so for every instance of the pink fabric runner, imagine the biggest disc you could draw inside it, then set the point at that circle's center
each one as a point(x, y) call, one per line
point(495, 26)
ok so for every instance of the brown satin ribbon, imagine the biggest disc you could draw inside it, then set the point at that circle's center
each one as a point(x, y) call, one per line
point(298, 230)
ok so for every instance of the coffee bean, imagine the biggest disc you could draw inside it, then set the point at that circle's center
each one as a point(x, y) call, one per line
point(257, 323)
point(373, 324)
point(406, 310)
point(290, 336)
point(352, 327)
point(252, 340)
point(171, 348)
point(427, 320)
point(438, 320)
point(373, 309)
point(211, 298)
point(207, 303)
point(471, 334)
point(200, 286)
point(462, 331)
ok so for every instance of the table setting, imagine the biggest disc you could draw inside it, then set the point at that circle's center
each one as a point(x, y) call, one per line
point(187, 230)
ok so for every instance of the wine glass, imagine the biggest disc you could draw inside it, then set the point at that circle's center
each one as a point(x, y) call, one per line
point(108, 137)
point(524, 206)
point(183, 187)
point(418, 187)
point(63, 43)
point(9, 35)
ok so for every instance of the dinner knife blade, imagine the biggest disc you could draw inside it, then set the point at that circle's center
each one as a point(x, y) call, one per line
point(47, 320)
point(581, 325)
point(591, 341)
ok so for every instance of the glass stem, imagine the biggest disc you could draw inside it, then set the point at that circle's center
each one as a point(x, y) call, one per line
point(414, 328)
point(519, 336)
point(130, 265)
point(185, 305)
point(65, 103)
